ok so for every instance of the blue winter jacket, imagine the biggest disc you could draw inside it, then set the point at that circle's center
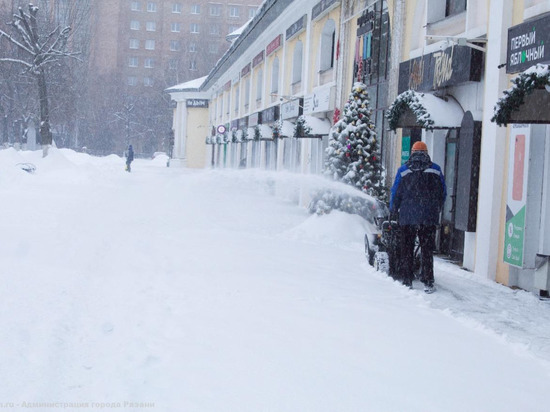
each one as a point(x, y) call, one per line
point(418, 192)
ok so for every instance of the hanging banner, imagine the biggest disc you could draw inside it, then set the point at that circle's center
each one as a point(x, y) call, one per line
point(514, 236)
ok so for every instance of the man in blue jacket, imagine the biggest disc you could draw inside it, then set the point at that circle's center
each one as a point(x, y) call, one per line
point(417, 197)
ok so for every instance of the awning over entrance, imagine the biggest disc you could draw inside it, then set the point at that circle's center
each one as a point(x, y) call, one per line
point(425, 110)
point(528, 100)
point(319, 127)
point(239, 135)
point(287, 129)
point(250, 133)
point(266, 132)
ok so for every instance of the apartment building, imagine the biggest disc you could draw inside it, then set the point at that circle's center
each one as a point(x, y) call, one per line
point(164, 41)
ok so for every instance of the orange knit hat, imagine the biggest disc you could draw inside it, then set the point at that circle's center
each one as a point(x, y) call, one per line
point(419, 147)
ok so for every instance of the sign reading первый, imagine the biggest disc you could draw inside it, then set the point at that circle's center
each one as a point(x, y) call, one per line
point(526, 45)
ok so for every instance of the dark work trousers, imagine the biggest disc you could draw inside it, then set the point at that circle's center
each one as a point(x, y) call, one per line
point(426, 236)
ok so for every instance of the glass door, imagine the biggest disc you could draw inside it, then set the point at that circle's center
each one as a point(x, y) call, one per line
point(452, 240)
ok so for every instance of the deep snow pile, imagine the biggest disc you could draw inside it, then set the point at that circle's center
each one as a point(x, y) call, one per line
point(213, 291)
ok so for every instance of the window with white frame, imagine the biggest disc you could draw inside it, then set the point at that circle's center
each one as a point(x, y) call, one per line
point(149, 63)
point(213, 48)
point(177, 8)
point(215, 9)
point(328, 37)
point(173, 64)
point(151, 26)
point(135, 6)
point(259, 85)
point(438, 9)
point(132, 80)
point(232, 29)
point(133, 61)
point(214, 29)
point(151, 6)
point(234, 11)
point(195, 9)
point(194, 28)
point(134, 43)
point(237, 97)
point(175, 27)
point(247, 91)
point(134, 25)
point(192, 65)
point(148, 81)
point(297, 57)
point(150, 44)
point(192, 47)
point(252, 12)
point(175, 45)
point(275, 75)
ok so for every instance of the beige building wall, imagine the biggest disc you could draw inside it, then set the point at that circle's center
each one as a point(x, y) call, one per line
point(196, 136)
point(315, 78)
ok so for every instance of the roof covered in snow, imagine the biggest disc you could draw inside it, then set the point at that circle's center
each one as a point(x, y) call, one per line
point(191, 86)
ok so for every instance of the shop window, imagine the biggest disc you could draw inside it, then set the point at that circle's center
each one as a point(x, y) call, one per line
point(328, 37)
point(297, 63)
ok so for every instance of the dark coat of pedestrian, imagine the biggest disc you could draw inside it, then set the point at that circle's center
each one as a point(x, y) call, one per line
point(417, 197)
point(129, 157)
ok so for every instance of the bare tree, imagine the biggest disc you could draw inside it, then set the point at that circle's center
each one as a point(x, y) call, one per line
point(36, 53)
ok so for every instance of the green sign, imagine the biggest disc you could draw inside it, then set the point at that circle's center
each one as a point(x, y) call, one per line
point(513, 239)
point(405, 149)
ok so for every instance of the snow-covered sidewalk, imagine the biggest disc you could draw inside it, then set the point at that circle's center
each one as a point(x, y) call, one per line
point(515, 315)
point(211, 291)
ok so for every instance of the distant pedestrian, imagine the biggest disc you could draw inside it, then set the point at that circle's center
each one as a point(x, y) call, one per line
point(417, 197)
point(129, 158)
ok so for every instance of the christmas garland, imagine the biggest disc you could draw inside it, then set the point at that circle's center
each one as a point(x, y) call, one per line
point(257, 134)
point(301, 128)
point(536, 77)
point(409, 100)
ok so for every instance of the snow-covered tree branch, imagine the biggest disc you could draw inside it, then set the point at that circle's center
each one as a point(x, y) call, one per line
point(37, 52)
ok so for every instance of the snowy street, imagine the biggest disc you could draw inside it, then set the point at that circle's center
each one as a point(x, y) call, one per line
point(169, 289)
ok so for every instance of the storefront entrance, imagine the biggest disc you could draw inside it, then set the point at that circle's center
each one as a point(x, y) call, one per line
point(451, 239)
